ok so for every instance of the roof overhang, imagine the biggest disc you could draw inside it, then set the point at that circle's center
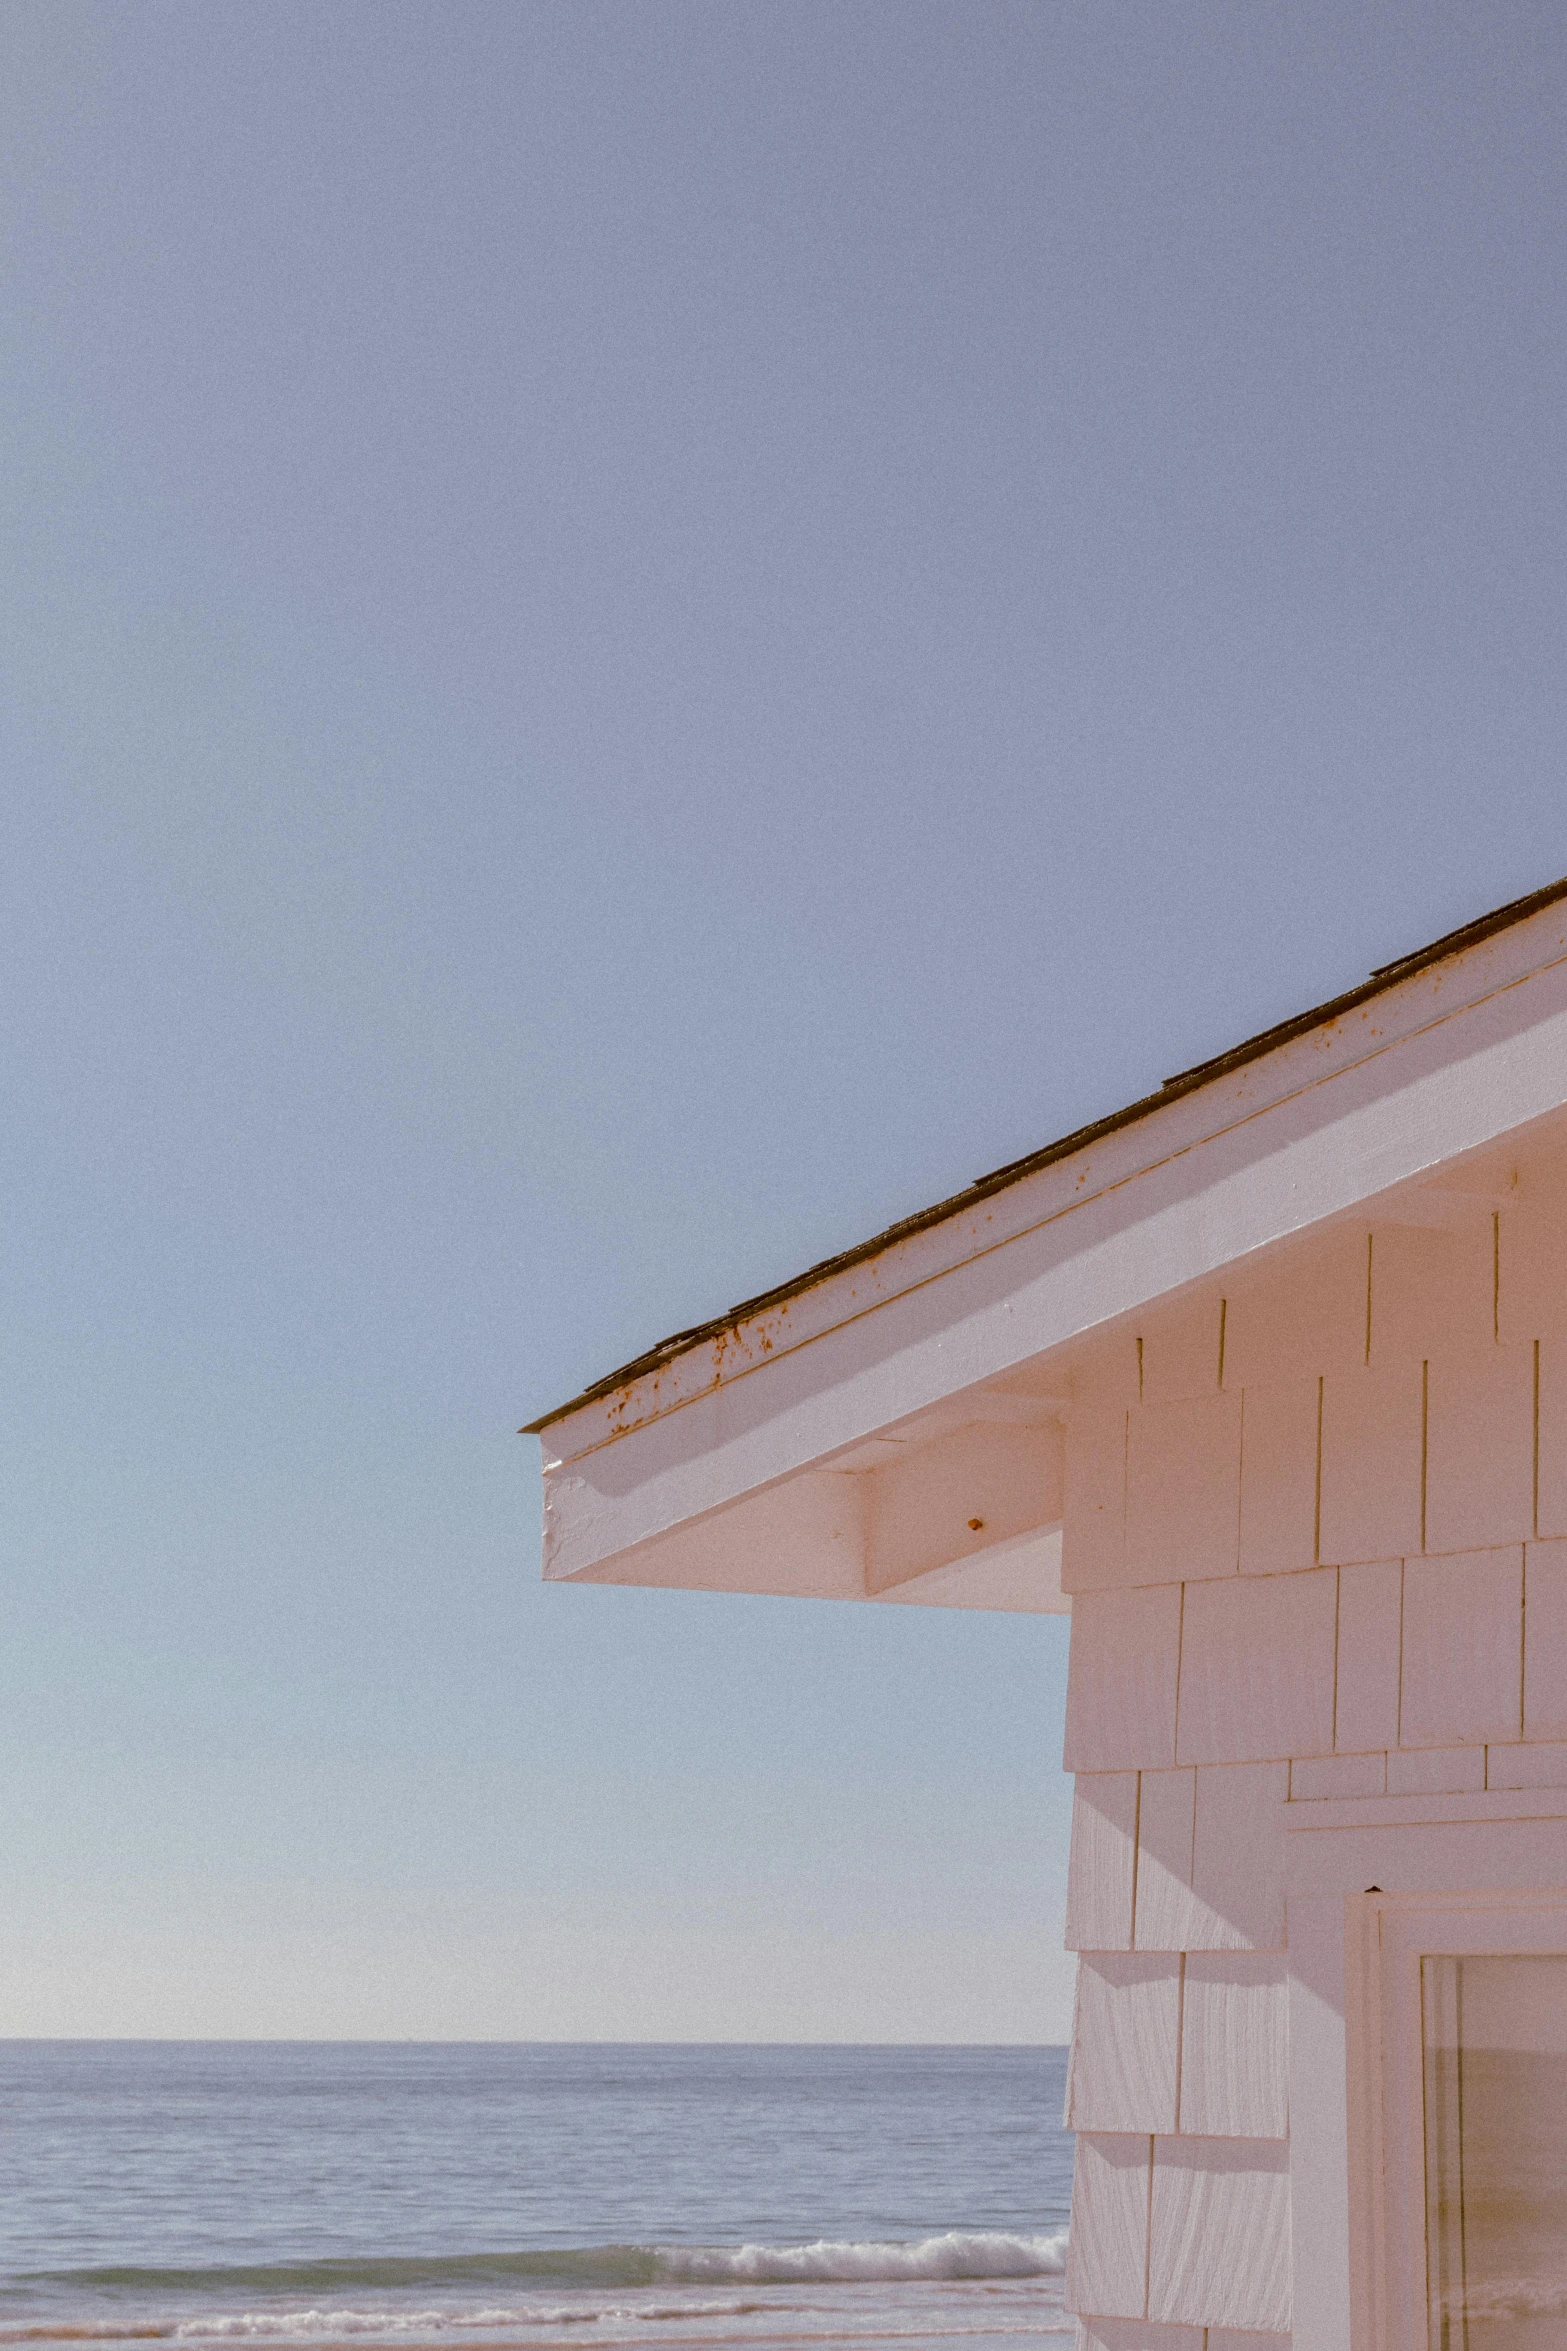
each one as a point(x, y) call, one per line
point(890, 1429)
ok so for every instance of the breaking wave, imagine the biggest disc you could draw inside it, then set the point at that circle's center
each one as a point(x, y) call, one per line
point(287, 2308)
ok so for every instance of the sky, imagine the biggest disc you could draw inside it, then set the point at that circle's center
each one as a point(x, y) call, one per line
point(635, 638)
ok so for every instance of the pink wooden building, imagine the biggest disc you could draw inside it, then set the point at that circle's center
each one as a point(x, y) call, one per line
point(1264, 1380)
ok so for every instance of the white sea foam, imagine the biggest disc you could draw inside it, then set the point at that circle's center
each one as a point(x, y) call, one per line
point(956, 2254)
point(313, 2324)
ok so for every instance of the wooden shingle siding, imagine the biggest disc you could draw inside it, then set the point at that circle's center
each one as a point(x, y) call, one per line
point(1107, 2249)
point(1101, 1866)
point(1126, 2043)
point(1297, 1311)
point(1121, 1679)
point(1532, 1261)
point(1093, 1540)
point(1234, 2046)
point(1526, 1767)
point(1278, 1519)
point(1183, 1489)
point(1169, 1917)
point(1435, 1771)
point(1338, 1775)
point(1238, 1856)
point(1209, 1858)
point(1431, 1292)
point(1463, 1667)
point(1181, 1341)
point(1371, 1460)
point(1219, 2233)
point(1545, 1641)
point(1257, 1662)
point(1480, 1448)
point(1551, 1516)
point(1370, 1601)
point(1321, 1552)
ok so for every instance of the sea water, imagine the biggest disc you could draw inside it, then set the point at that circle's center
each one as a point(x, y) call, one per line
point(522, 2194)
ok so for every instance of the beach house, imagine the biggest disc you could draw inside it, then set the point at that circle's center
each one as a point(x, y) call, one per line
point(1264, 1380)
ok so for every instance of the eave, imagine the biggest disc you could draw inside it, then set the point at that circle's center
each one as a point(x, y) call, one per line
point(737, 1456)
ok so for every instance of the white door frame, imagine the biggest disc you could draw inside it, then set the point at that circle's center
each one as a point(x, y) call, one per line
point(1374, 1883)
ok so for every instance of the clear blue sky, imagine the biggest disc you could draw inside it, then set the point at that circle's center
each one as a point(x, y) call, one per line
point(634, 639)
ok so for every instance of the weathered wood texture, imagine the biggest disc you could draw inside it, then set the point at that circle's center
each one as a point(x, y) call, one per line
point(1102, 1865)
point(1219, 2233)
point(1107, 2250)
point(1126, 2043)
point(1234, 2046)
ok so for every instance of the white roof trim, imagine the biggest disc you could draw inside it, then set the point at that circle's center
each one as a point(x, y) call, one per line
point(1452, 1058)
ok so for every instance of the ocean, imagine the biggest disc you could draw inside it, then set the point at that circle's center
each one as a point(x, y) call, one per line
point(531, 2194)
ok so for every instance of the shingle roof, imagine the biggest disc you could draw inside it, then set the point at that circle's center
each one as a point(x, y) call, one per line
point(1186, 1081)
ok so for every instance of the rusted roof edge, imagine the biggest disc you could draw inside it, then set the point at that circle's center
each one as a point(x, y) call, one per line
point(1186, 1081)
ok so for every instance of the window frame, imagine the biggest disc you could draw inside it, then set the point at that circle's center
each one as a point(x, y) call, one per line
point(1373, 1883)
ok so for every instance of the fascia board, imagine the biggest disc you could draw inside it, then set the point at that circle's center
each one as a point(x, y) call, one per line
point(1446, 1063)
point(1505, 961)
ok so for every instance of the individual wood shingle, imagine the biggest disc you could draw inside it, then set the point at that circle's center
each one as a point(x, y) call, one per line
point(1235, 2046)
point(1435, 1771)
point(1168, 1913)
point(1238, 1857)
point(1551, 1514)
point(1432, 1289)
point(1218, 2247)
point(1183, 1489)
point(1527, 1767)
point(1371, 1463)
point(1093, 1525)
point(1257, 1659)
point(1480, 1449)
point(1337, 1775)
point(1121, 1677)
point(1532, 1260)
point(1462, 1675)
point(1545, 1641)
point(1278, 1529)
point(1126, 2042)
point(1370, 1604)
point(1180, 1340)
point(1101, 1862)
point(1210, 1858)
point(1107, 2249)
point(1297, 1310)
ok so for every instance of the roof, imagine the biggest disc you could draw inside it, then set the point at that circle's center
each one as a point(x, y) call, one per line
point(1186, 1081)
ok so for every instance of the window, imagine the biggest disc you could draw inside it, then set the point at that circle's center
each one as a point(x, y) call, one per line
point(1494, 2038)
